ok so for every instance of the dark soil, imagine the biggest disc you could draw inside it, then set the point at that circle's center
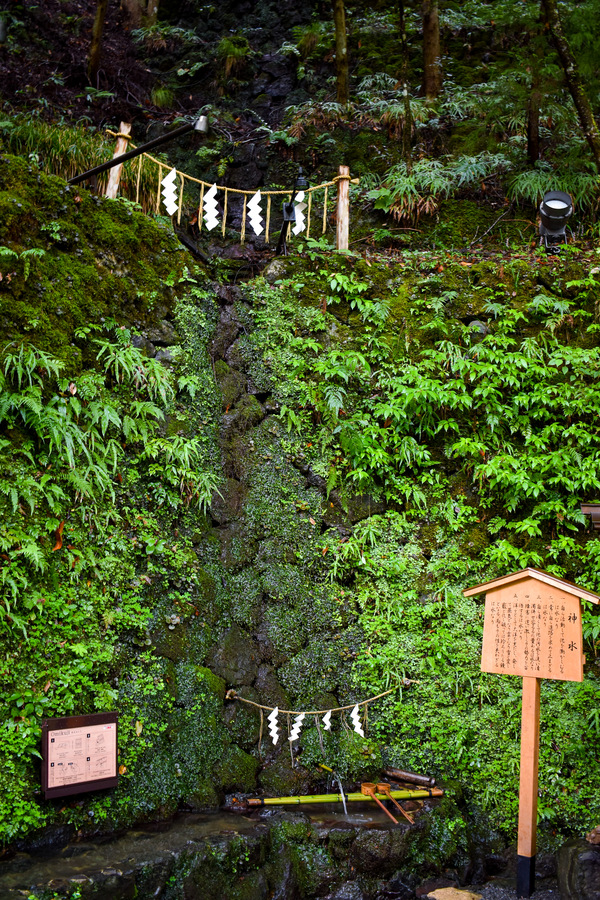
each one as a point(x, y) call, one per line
point(43, 64)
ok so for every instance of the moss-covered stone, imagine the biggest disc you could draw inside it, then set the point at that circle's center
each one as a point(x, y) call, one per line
point(236, 771)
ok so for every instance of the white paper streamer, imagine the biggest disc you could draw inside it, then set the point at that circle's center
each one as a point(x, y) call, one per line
point(327, 721)
point(300, 206)
point(273, 729)
point(211, 216)
point(296, 727)
point(254, 213)
point(169, 192)
point(355, 716)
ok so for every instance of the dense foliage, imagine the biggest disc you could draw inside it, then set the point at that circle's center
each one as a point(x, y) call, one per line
point(290, 499)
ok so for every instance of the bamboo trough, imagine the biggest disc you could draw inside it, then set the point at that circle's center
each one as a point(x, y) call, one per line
point(421, 794)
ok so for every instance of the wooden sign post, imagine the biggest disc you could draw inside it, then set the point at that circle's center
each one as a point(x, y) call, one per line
point(532, 628)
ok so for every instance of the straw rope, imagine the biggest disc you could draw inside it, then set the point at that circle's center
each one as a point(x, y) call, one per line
point(243, 232)
point(233, 695)
point(200, 209)
point(269, 194)
point(268, 220)
point(137, 184)
point(224, 212)
point(160, 168)
point(180, 204)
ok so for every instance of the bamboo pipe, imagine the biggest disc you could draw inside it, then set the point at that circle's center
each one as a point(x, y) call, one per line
point(337, 798)
point(401, 775)
point(384, 788)
point(370, 790)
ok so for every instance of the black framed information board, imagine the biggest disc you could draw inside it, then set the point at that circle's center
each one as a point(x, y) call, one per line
point(79, 754)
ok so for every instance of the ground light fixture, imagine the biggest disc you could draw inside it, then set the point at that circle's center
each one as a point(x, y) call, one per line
point(556, 209)
point(289, 212)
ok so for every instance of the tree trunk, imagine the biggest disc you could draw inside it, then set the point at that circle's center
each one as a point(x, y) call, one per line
point(407, 125)
point(140, 12)
point(341, 51)
point(432, 69)
point(573, 78)
point(94, 57)
point(150, 12)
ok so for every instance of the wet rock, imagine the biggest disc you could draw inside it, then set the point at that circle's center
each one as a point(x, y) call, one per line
point(228, 293)
point(351, 890)
point(340, 840)
point(227, 331)
point(452, 893)
point(227, 502)
point(237, 547)
point(270, 689)
point(242, 721)
point(578, 870)
point(380, 852)
point(165, 356)
point(246, 414)
point(163, 334)
point(478, 330)
point(171, 643)
point(278, 779)
point(142, 343)
point(234, 356)
point(235, 658)
point(433, 884)
point(232, 384)
point(276, 269)
point(281, 876)
point(243, 456)
point(236, 771)
point(204, 796)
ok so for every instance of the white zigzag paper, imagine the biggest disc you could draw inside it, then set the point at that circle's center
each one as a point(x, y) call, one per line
point(327, 721)
point(211, 216)
point(355, 716)
point(273, 729)
point(254, 213)
point(300, 206)
point(296, 727)
point(169, 192)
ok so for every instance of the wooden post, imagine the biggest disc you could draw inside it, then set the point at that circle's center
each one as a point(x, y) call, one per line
point(343, 208)
point(112, 187)
point(532, 628)
point(528, 787)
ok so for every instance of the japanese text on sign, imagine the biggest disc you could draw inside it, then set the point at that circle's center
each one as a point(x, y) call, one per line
point(533, 630)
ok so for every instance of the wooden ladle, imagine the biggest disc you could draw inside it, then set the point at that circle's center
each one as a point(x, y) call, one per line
point(369, 790)
point(384, 788)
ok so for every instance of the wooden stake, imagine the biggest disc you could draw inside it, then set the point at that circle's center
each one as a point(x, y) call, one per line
point(528, 786)
point(343, 208)
point(112, 188)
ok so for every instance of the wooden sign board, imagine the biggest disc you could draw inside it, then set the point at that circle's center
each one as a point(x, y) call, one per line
point(79, 754)
point(532, 628)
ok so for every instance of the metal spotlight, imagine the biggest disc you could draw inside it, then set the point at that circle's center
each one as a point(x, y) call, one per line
point(555, 210)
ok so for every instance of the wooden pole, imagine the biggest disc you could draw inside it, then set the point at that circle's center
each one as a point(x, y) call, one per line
point(343, 208)
point(528, 786)
point(112, 188)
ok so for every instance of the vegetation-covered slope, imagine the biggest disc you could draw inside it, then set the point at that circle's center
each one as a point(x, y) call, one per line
point(283, 485)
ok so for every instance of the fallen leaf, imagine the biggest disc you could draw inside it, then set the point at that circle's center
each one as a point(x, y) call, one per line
point(139, 727)
point(311, 520)
point(122, 770)
point(59, 533)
